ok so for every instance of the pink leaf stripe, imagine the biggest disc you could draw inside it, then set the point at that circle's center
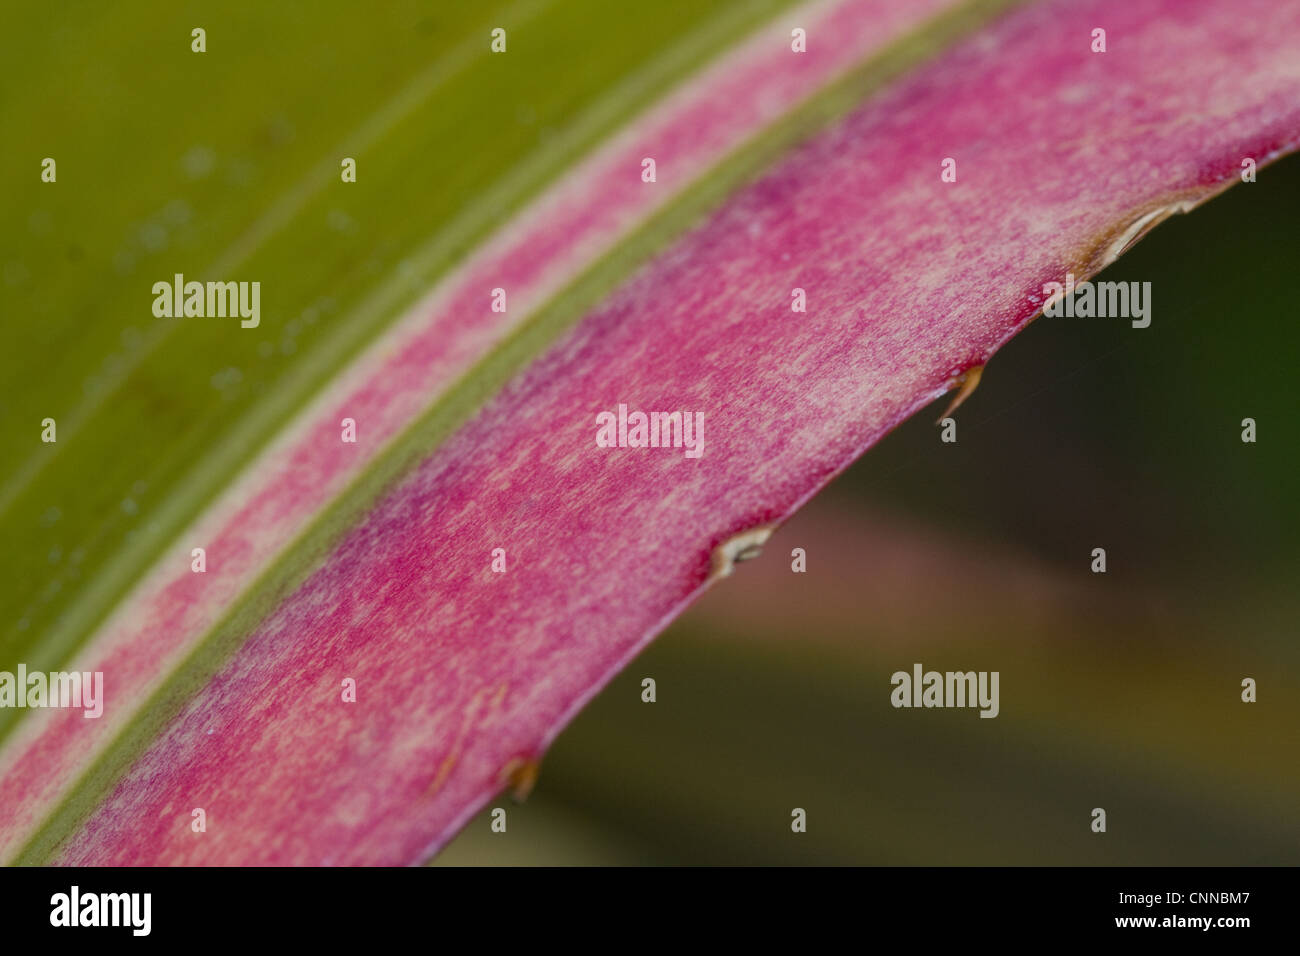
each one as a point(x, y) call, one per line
point(910, 281)
point(601, 201)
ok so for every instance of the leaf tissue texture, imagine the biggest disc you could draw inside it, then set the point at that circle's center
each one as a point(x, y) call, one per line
point(1063, 157)
point(416, 364)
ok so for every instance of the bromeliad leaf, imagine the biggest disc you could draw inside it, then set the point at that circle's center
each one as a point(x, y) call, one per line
point(392, 629)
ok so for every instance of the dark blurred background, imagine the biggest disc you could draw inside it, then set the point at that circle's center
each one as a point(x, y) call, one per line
point(1119, 690)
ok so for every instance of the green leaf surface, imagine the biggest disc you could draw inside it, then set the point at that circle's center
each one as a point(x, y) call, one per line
point(228, 163)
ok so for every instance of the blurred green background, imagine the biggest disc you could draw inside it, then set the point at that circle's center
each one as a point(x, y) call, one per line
point(1119, 691)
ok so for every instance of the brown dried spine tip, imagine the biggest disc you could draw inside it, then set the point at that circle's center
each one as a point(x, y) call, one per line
point(968, 380)
point(520, 776)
